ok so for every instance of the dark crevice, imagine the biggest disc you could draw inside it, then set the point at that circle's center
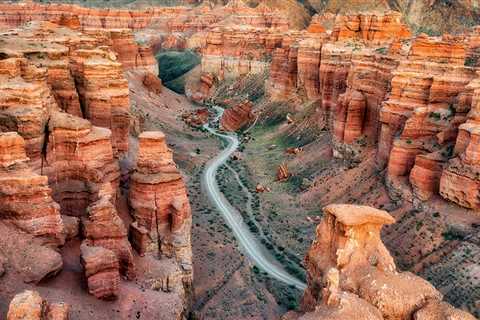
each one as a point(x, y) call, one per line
point(45, 145)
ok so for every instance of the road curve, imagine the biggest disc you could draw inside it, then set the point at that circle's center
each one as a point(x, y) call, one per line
point(251, 246)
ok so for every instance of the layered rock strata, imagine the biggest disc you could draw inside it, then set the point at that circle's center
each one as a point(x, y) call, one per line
point(237, 117)
point(25, 197)
point(104, 228)
point(16, 14)
point(352, 275)
point(160, 206)
point(425, 108)
point(101, 267)
point(84, 74)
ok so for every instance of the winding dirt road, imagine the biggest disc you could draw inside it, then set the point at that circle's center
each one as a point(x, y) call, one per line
point(251, 246)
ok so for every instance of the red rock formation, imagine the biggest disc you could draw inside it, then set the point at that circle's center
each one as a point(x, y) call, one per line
point(131, 54)
point(358, 110)
point(350, 116)
point(334, 66)
point(460, 180)
point(12, 15)
point(21, 189)
point(282, 172)
point(101, 269)
point(29, 305)
point(232, 52)
point(309, 66)
point(370, 27)
point(20, 77)
point(97, 77)
point(104, 228)
point(160, 204)
point(202, 89)
point(103, 92)
point(352, 275)
point(79, 163)
point(152, 82)
point(174, 42)
point(237, 117)
point(425, 111)
point(283, 73)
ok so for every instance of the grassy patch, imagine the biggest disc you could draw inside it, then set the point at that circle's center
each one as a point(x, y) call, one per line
point(173, 65)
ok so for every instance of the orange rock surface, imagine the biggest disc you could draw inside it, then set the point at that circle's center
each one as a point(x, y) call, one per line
point(101, 269)
point(351, 274)
point(160, 205)
point(370, 27)
point(29, 305)
point(237, 117)
point(21, 188)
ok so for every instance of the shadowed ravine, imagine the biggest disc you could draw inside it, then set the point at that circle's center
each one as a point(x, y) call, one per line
point(251, 246)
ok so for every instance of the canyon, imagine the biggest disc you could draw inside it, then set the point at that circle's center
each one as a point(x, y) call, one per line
point(349, 137)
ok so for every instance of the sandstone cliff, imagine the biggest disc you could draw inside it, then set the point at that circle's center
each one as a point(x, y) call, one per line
point(64, 125)
point(352, 275)
point(161, 210)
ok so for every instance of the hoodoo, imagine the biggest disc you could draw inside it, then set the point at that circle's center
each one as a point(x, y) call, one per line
point(351, 273)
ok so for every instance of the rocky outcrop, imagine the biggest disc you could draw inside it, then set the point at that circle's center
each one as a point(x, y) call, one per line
point(308, 65)
point(357, 112)
point(21, 189)
point(351, 273)
point(459, 181)
point(101, 269)
point(152, 82)
point(425, 108)
point(283, 73)
point(64, 125)
point(232, 52)
point(29, 305)
point(18, 77)
point(200, 90)
point(80, 163)
point(30, 219)
point(103, 92)
point(161, 209)
point(370, 27)
point(103, 228)
point(131, 54)
point(16, 14)
point(237, 117)
point(83, 72)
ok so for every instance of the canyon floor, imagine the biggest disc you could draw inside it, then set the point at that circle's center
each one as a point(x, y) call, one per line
point(226, 283)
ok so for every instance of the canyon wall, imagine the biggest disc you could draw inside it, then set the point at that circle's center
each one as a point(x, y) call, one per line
point(64, 132)
point(411, 98)
point(351, 274)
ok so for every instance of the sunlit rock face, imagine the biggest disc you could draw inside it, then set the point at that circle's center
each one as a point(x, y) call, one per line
point(237, 117)
point(30, 305)
point(426, 112)
point(351, 274)
point(101, 269)
point(160, 206)
point(16, 14)
point(459, 180)
point(370, 27)
point(232, 52)
point(85, 77)
point(64, 130)
point(22, 188)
